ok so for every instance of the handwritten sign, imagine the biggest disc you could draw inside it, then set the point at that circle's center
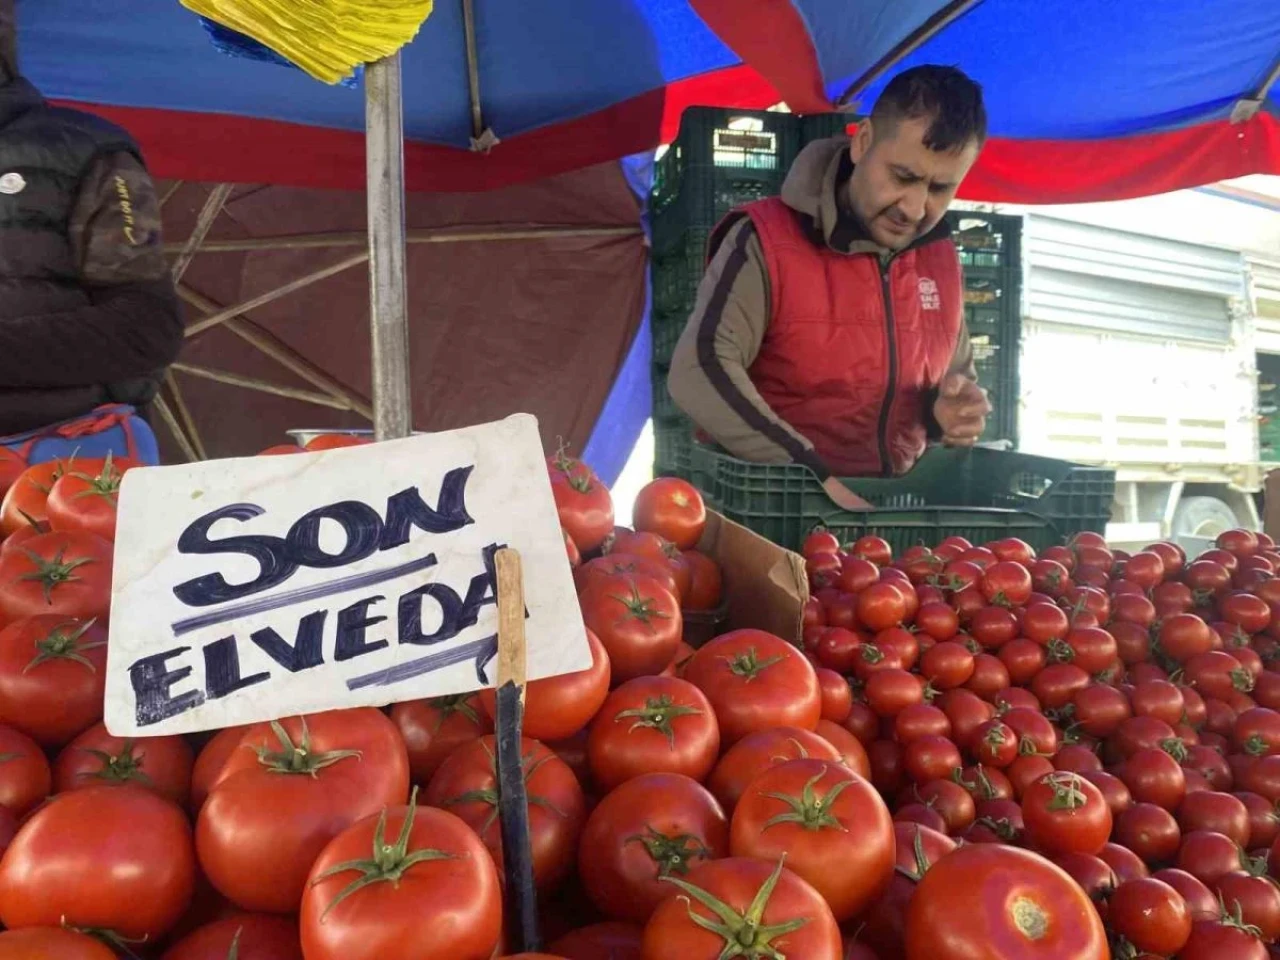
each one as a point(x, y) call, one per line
point(248, 590)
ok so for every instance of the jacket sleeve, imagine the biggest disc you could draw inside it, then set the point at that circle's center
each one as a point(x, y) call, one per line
point(708, 378)
point(130, 324)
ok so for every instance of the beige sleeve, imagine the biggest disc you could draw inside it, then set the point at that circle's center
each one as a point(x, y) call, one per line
point(708, 378)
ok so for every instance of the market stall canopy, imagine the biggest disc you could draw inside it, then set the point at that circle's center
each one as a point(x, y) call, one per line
point(562, 84)
point(1088, 99)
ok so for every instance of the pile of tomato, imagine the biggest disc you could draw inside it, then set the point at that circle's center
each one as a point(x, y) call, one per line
point(974, 751)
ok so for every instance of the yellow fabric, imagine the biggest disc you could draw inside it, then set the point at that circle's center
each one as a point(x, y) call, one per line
point(326, 38)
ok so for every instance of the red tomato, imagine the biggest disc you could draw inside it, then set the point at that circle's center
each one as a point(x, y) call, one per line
point(785, 913)
point(64, 574)
point(652, 725)
point(1153, 776)
point(1201, 903)
point(882, 605)
point(1255, 900)
point(993, 627)
point(873, 549)
point(591, 573)
point(52, 943)
point(638, 621)
point(1150, 915)
point(947, 664)
point(837, 698)
point(555, 708)
point(1209, 856)
point(820, 541)
point(53, 871)
point(754, 681)
point(1007, 584)
point(921, 720)
point(656, 825)
point(705, 583)
point(673, 509)
point(1099, 710)
point(930, 758)
point(1215, 939)
point(1149, 831)
point(84, 498)
point(280, 450)
point(255, 937)
point(467, 784)
point(406, 876)
point(289, 788)
point(995, 901)
point(1065, 813)
point(433, 729)
point(829, 824)
point(890, 691)
point(25, 502)
point(25, 777)
point(210, 761)
point(52, 677)
point(583, 502)
point(852, 753)
point(336, 441)
point(162, 764)
point(753, 755)
point(600, 941)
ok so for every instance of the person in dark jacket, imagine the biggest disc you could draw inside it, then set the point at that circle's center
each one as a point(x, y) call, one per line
point(88, 314)
point(829, 326)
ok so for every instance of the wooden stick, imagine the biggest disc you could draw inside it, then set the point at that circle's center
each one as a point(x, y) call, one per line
point(513, 799)
point(271, 295)
point(263, 386)
point(312, 241)
point(172, 423)
point(208, 214)
point(279, 351)
point(184, 412)
point(168, 194)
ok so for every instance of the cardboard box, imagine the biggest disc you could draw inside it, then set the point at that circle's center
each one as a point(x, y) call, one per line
point(765, 585)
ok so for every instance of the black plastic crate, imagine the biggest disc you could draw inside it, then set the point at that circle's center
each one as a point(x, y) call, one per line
point(980, 494)
point(678, 270)
point(664, 408)
point(673, 448)
point(822, 126)
point(666, 334)
point(987, 240)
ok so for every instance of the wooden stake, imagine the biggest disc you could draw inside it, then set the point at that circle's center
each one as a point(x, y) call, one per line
point(451, 235)
point(171, 422)
point(204, 223)
point(513, 799)
point(263, 386)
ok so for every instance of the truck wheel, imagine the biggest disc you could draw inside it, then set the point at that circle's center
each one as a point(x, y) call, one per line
point(1203, 517)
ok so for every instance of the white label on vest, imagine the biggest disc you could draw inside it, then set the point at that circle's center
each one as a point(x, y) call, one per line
point(930, 298)
point(12, 183)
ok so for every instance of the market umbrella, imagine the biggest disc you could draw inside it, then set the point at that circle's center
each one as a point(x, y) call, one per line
point(1089, 99)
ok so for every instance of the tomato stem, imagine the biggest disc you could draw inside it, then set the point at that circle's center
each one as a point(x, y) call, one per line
point(658, 713)
point(105, 485)
point(390, 861)
point(748, 665)
point(299, 759)
point(673, 854)
point(54, 572)
point(1068, 793)
point(491, 797)
point(807, 809)
point(640, 608)
point(59, 645)
point(124, 767)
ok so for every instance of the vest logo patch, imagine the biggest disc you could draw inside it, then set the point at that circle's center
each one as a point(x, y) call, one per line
point(12, 183)
point(930, 298)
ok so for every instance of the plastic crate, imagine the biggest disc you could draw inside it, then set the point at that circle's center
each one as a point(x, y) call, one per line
point(678, 270)
point(721, 159)
point(664, 408)
point(666, 334)
point(673, 448)
point(987, 240)
point(980, 494)
point(822, 126)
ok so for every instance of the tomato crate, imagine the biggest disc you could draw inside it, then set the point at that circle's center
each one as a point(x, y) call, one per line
point(664, 408)
point(673, 448)
point(677, 271)
point(981, 494)
point(986, 241)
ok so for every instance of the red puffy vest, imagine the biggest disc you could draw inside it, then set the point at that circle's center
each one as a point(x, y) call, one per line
point(853, 349)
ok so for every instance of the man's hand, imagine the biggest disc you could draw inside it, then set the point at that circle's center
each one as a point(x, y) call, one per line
point(961, 410)
point(844, 497)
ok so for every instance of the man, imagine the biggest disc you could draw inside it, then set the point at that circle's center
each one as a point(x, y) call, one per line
point(829, 327)
point(88, 314)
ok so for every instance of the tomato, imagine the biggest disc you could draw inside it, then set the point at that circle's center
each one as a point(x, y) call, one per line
point(1146, 569)
point(1252, 614)
point(1092, 649)
point(1126, 864)
point(25, 777)
point(653, 826)
point(25, 501)
point(706, 584)
point(467, 784)
point(54, 869)
point(756, 680)
point(637, 620)
point(336, 441)
point(53, 943)
point(63, 574)
point(84, 498)
point(286, 790)
point(210, 760)
point(1215, 939)
point(1007, 584)
point(1240, 543)
point(673, 509)
point(556, 708)
point(1257, 732)
point(930, 758)
point(1099, 710)
point(1208, 856)
point(990, 675)
point(874, 549)
point(1174, 556)
point(1035, 733)
point(862, 722)
point(1255, 900)
point(1264, 824)
point(917, 849)
point(820, 541)
point(947, 664)
point(882, 605)
point(995, 902)
point(1153, 776)
point(741, 901)
point(852, 753)
point(823, 569)
point(890, 691)
point(1150, 915)
point(829, 824)
point(651, 725)
point(582, 501)
point(255, 936)
point(600, 941)
point(162, 764)
point(753, 755)
point(920, 720)
point(994, 744)
point(952, 802)
point(408, 876)
point(1023, 659)
point(52, 677)
point(1132, 609)
point(1216, 813)
point(1065, 813)
point(937, 620)
point(1207, 579)
point(966, 711)
point(837, 698)
point(15, 541)
point(1201, 903)
point(433, 729)
point(1058, 683)
point(993, 627)
point(594, 571)
point(1159, 699)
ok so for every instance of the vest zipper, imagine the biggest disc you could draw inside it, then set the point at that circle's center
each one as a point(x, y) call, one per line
point(891, 387)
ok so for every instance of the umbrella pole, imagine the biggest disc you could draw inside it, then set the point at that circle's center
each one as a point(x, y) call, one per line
point(388, 298)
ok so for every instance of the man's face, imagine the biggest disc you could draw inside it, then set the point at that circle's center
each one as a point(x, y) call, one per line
point(900, 188)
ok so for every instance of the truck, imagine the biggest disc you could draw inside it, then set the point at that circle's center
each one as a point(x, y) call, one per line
point(1150, 343)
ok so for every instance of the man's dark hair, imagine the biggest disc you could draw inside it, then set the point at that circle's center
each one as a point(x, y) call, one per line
point(943, 94)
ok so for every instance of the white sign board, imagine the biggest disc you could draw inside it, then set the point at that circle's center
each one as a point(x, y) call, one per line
point(249, 590)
